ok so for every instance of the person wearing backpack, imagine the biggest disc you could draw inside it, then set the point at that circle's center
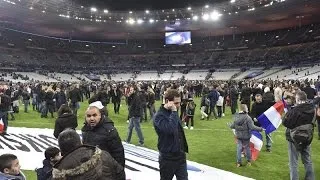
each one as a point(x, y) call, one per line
point(191, 106)
point(299, 122)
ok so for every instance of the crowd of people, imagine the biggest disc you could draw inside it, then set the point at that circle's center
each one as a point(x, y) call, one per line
point(175, 114)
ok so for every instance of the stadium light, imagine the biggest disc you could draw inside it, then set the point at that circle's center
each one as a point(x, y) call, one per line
point(139, 46)
point(189, 8)
point(147, 11)
point(131, 21)
point(139, 21)
point(151, 21)
point(206, 6)
point(215, 15)
point(93, 9)
point(232, 1)
point(113, 46)
point(106, 11)
point(205, 17)
point(172, 10)
point(195, 18)
point(31, 8)
point(130, 12)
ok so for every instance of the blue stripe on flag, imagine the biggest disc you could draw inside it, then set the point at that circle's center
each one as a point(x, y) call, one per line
point(256, 134)
point(266, 124)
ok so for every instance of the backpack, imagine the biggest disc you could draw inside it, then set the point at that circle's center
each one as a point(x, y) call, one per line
point(42, 174)
point(302, 135)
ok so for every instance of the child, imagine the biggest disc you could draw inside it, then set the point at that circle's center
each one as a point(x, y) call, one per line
point(191, 106)
point(52, 155)
point(219, 106)
point(10, 168)
point(243, 125)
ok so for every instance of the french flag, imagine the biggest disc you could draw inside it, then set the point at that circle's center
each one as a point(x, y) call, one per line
point(256, 144)
point(1, 126)
point(271, 119)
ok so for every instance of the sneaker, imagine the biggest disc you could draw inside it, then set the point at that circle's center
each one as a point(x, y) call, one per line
point(249, 164)
point(223, 115)
point(268, 150)
point(191, 128)
point(238, 165)
point(128, 121)
point(141, 145)
point(185, 127)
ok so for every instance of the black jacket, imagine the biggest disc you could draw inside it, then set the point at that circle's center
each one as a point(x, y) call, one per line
point(116, 96)
point(172, 143)
point(74, 95)
point(135, 105)
point(311, 93)
point(299, 115)
point(5, 103)
point(49, 98)
point(258, 109)
point(65, 121)
point(88, 162)
point(106, 137)
point(245, 95)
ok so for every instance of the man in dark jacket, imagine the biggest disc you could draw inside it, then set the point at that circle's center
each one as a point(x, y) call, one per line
point(99, 131)
point(234, 95)
point(302, 114)
point(135, 111)
point(213, 97)
point(258, 108)
point(75, 97)
point(172, 143)
point(52, 155)
point(82, 162)
point(60, 98)
point(4, 108)
point(116, 95)
point(26, 99)
point(311, 92)
point(245, 96)
point(66, 119)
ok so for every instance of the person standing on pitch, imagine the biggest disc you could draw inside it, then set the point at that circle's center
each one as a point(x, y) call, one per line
point(172, 143)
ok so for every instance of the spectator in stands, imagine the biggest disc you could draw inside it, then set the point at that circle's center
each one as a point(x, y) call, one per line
point(116, 95)
point(66, 119)
point(82, 162)
point(243, 126)
point(135, 113)
point(4, 108)
point(10, 168)
point(100, 131)
point(52, 156)
point(172, 143)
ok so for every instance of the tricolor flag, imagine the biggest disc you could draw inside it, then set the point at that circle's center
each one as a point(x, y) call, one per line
point(1, 126)
point(256, 144)
point(271, 119)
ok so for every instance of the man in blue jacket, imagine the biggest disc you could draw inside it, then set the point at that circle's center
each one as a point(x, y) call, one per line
point(172, 143)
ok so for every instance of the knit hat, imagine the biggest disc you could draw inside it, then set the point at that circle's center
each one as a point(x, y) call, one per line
point(97, 104)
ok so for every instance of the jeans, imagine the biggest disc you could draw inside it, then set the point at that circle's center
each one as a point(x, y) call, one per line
point(234, 104)
point(306, 160)
point(116, 107)
point(152, 110)
point(245, 144)
point(144, 113)
point(269, 142)
point(212, 110)
point(4, 117)
point(219, 111)
point(169, 168)
point(135, 122)
point(26, 104)
point(44, 109)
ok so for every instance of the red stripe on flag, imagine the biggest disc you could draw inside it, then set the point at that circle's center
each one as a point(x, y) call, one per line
point(279, 106)
point(254, 152)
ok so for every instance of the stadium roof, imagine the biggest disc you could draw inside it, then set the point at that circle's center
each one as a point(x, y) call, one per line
point(47, 19)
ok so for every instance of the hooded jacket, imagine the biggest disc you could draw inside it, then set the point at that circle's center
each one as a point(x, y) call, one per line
point(3, 176)
point(88, 163)
point(106, 137)
point(299, 115)
point(243, 125)
point(65, 121)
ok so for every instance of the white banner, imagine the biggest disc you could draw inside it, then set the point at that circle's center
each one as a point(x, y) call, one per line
point(29, 145)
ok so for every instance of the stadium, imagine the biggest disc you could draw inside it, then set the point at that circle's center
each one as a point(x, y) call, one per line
point(124, 57)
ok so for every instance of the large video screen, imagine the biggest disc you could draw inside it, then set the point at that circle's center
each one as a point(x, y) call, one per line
point(178, 37)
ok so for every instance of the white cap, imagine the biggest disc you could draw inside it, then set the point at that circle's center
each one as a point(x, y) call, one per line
point(97, 104)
